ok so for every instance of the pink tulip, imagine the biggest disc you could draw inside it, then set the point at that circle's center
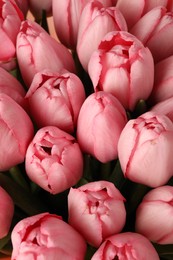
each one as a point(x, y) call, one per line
point(66, 15)
point(37, 50)
point(126, 246)
point(163, 80)
point(165, 108)
point(46, 236)
point(96, 18)
point(37, 7)
point(10, 86)
point(155, 30)
point(16, 132)
point(146, 157)
point(10, 21)
point(54, 160)
point(23, 5)
point(133, 10)
point(55, 99)
point(100, 122)
point(6, 212)
point(120, 65)
point(154, 215)
point(96, 210)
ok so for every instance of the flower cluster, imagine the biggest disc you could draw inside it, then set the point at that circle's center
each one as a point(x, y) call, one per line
point(86, 124)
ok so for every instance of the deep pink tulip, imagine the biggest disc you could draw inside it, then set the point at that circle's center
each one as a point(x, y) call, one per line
point(66, 15)
point(10, 21)
point(37, 7)
point(96, 210)
point(10, 86)
point(120, 65)
point(37, 50)
point(54, 160)
point(46, 236)
point(56, 99)
point(143, 142)
point(6, 212)
point(16, 132)
point(23, 5)
point(100, 122)
point(164, 107)
point(155, 30)
point(163, 81)
point(126, 246)
point(154, 215)
point(96, 18)
point(133, 10)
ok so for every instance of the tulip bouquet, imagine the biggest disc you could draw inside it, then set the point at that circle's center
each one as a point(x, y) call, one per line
point(86, 124)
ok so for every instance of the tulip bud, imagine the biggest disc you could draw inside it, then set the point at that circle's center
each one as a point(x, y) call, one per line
point(55, 99)
point(156, 26)
point(126, 246)
point(37, 50)
point(151, 138)
point(54, 160)
point(154, 215)
point(46, 236)
point(120, 65)
point(164, 108)
point(94, 133)
point(16, 132)
point(96, 18)
point(6, 212)
point(10, 21)
point(99, 205)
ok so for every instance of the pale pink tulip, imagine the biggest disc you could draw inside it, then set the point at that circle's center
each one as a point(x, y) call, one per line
point(155, 30)
point(46, 236)
point(56, 99)
point(129, 246)
point(6, 212)
point(164, 107)
point(37, 50)
point(16, 132)
point(10, 86)
point(66, 15)
point(133, 10)
point(120, 65)
point(100, 122)
point(163, 81)
point(145, 149)
point(154, 215)
point(54, 160)
point(96, 210)
point(10, 21)
point(37, 7)
point(95, 22)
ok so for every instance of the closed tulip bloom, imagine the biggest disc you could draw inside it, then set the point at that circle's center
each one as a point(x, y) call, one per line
point(163, 81)
point(56, 99)
point(10, 86)
point(99, 205)
point(46, 236)
point(143, 142)
point(66, 23)
point(94, 133)
point(120, 65)
point(16, 132)
point(164, 107)
point(128, 245)
point(6, 212)
point(54, 160)
point(96, 18)
point(133, 10)
point(155, 30)
point(154, 215)
point(37, 50)
point(37, 7)
point(10, 21)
